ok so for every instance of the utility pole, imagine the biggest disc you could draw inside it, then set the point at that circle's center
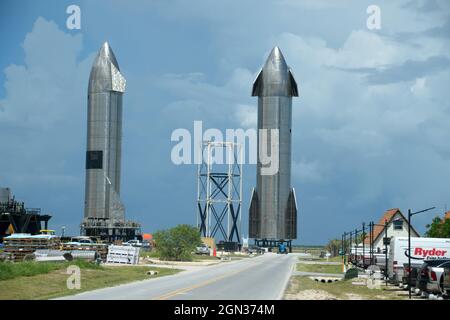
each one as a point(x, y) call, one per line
point(371, 243)
point(410, 214)
point(363, 244)
point(386, 275)
point(350, 245)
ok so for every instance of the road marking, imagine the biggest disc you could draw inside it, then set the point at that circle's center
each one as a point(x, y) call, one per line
point(202, 284)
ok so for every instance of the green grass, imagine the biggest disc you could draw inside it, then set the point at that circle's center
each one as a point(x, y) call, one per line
point(320, 268)
point(151, 254)
point(53, 283)
point(202, 257)
point(334, 259)
point(31, 268)
point(340, 289)
point(194, 257)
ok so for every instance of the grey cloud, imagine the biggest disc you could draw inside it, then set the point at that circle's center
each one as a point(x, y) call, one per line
point(407, 71)
point(442, 31)
point(423, 5)
point(439, 32)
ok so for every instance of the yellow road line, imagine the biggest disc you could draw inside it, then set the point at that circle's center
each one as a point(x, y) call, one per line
point(205, 283)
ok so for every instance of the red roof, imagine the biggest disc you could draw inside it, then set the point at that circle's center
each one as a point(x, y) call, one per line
point(387, 216)
point(447, 215)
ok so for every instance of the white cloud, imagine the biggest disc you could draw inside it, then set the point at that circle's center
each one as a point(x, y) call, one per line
point(43, 116)
point(312, 172)
point(419, 85)
point(51, 74)
point(246, 115)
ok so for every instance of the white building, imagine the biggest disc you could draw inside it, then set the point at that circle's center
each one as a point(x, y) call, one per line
point(397, 226)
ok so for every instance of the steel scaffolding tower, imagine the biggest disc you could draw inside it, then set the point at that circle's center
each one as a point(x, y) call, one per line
point(220, 191)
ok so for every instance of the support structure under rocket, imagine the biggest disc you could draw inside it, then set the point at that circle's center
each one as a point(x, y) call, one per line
point(273, 208)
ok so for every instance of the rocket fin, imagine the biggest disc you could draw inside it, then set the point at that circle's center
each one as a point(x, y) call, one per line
point(258, 84)
point(293, 84)
point(291, 216)
point(254, 216)
point(118, 81)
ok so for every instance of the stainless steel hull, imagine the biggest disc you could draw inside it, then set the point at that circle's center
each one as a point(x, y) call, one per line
point(104, 139)
point(273, 209)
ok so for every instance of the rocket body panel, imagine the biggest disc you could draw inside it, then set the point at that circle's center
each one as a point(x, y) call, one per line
point(274, 112)
point(271, 210)
point(104, 139)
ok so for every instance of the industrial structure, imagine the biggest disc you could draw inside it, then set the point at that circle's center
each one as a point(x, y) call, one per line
point(15, 218)
point(104, 213)
point(273, 207)
point(219, 197)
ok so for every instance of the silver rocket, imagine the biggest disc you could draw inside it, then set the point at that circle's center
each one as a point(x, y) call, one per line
point(104, 139)
point(273, 207)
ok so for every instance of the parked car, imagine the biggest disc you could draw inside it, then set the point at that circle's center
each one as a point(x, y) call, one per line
point(421, 249)
point(252, 249)
point(146, 245)
point(132, 243)
point(415, 267)
point(81, 240)
point(202, 249)
point(431, 275)
point(446, 284)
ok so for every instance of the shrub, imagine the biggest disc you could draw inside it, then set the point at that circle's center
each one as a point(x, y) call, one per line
point(177, 244)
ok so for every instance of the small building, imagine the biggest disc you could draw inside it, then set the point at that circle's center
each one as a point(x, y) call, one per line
point(447, 215)
point(397, 226)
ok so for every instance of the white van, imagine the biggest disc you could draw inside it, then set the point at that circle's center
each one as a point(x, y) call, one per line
point(421, 249)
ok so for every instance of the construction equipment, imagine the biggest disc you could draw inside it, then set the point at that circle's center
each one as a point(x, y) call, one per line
point(282, 249)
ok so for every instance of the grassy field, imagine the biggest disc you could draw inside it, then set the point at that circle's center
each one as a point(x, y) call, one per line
point(320, 268)
point(32, 282)
point(151, 254)
point(304, 288)
point(313, 250)
point(194, 257)
point(27, 269)
point(333, 259)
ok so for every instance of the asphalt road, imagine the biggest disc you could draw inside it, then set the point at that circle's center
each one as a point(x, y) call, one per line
point(260, 278)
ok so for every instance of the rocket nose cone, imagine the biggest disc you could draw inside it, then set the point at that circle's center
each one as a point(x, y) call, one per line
point(106, 53)
point(105, 72)
point(275, 78)
point(276, 60)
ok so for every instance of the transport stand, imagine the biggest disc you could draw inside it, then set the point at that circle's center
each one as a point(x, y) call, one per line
point(110, 231)
point(219, 193)
point(271, 243)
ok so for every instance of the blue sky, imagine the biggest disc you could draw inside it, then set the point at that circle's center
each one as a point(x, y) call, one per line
point(370, 128)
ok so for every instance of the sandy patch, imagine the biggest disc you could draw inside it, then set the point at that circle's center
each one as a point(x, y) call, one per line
point(310, 295)
point(352, 296)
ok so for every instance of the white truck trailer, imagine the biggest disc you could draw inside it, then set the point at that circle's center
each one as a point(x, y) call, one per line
point(421, 249)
